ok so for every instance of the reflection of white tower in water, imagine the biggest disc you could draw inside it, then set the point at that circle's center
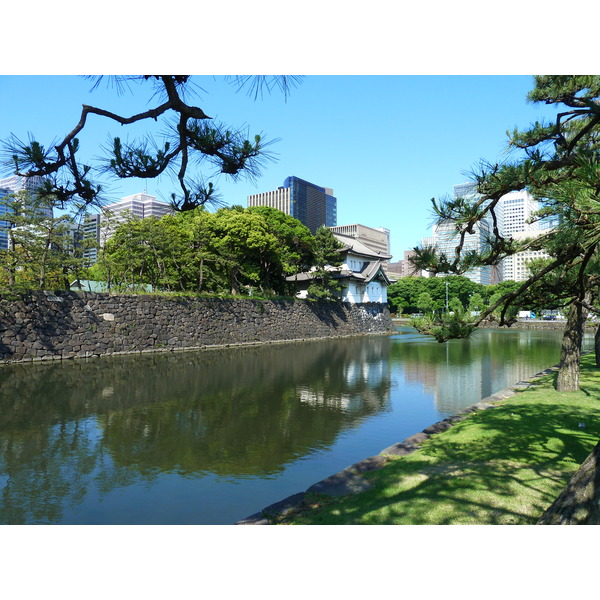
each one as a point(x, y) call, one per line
point(366, 381)
point(456, 384)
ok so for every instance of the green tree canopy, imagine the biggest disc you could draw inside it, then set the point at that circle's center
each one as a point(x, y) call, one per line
point(327, 258)
point(233, 250)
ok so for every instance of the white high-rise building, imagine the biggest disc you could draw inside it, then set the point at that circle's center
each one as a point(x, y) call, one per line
point(11, 185)
point(99, 227)
point(518, 208)
point(16, 183)
point(514, 213)
point(516, 267)
point(138, 206)
point(446, 238)
point(4, 225)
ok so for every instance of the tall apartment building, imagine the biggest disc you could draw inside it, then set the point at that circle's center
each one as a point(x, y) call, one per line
point(11, 185)
point(16, 183)
point(138, 206)
point(91, 233)
point(4, 225)
point(516, 267)
point(514, 211)
point(518, 207)
point(99, 227)
point(311, 204)
point(445, 238)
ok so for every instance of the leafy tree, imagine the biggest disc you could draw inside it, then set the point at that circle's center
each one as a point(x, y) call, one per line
point(246, 247)
point(456, 306)
point(296, 244)
point(405, 292)
point(43, 251)
point(327, 259)
point(425, 302)
point(476, 303)
point(444, 327)
point(402, 295)
point(229, 251)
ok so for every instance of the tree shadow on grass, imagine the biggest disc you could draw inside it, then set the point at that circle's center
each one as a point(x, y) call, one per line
point(502, 466)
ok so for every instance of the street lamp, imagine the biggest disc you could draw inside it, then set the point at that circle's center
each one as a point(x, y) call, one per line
point(446, 296)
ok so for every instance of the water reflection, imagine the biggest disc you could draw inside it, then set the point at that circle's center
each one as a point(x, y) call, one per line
point(122, 420)
point(461, 372)
point(74, 435)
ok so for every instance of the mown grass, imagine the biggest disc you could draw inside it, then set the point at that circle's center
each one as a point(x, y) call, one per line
point(504, 465)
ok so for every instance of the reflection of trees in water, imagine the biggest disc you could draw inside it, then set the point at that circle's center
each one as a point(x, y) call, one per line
point(45, 469)
point(119, 420)
point(241, 413)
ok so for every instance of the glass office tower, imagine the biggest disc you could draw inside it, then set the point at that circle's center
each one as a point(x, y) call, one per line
point(311, 204)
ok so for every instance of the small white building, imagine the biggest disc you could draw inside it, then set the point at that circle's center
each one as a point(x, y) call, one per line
point(362, 273)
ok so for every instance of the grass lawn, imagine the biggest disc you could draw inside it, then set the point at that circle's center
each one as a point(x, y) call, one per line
point(503, 465)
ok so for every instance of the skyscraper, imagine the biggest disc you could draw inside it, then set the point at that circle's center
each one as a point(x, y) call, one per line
point(516, 267)
point(4, 225)
point(446, 238)
point(311, 204)
point(514, 211)
point(97, 228)
point(518, 208)
point(139, 206)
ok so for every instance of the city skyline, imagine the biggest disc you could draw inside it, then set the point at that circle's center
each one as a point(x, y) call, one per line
point(386, 144)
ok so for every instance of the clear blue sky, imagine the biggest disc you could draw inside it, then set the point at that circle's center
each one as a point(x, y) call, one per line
point(385, 144)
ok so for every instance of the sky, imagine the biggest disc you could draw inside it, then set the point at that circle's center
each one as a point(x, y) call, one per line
point(385, 144)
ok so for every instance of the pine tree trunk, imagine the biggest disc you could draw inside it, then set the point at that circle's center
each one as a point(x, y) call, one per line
point(570, 351)
point(597, 346)
point(201, 274)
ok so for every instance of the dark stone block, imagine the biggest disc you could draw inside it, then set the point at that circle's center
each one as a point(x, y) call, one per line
point(341, 484)
point(437, 427)
point(400, 449)
point(284, 506)
point(368, 464)
point(417, 438)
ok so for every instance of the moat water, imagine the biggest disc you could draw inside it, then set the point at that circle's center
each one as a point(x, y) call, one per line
point(210, 437)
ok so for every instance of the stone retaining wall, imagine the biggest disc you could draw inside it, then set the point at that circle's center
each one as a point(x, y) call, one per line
point(55, 326)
